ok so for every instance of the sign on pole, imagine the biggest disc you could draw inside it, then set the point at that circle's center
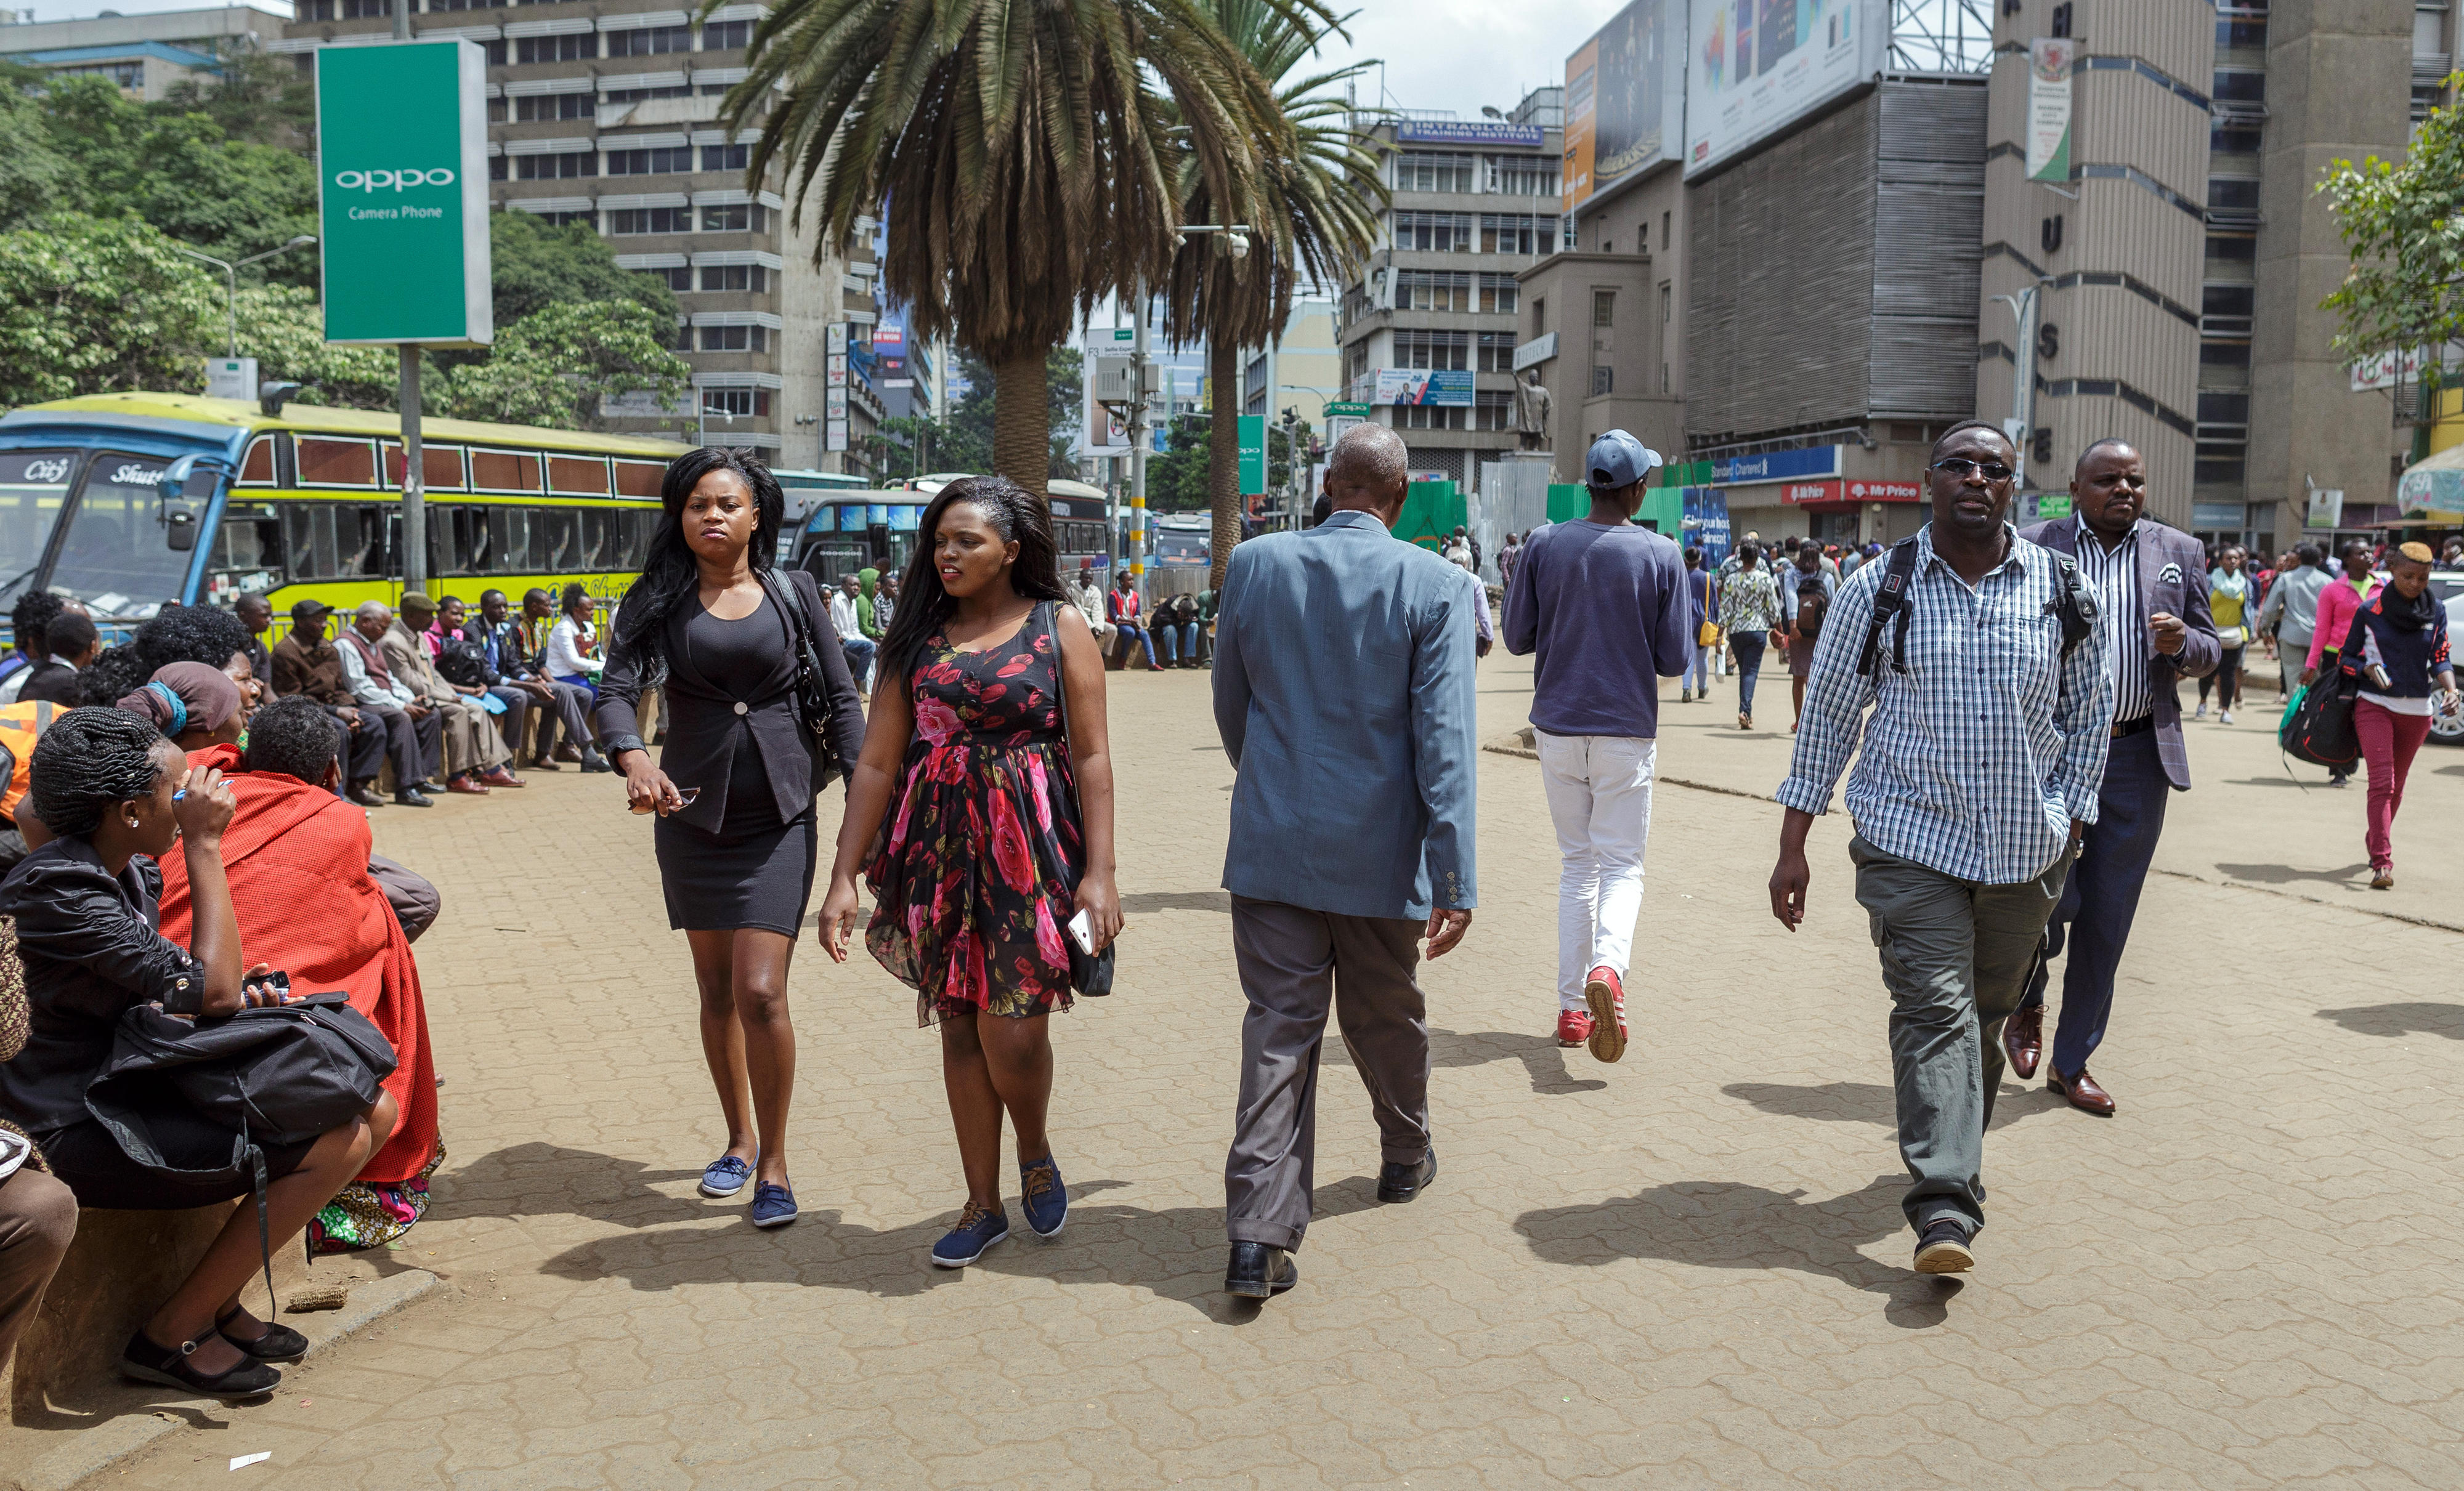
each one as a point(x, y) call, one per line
point(231, 378)
point(1253, 455)
point(401, 133)
point(2048, 107)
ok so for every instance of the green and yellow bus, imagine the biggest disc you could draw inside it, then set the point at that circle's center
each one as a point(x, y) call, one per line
point(304, 504)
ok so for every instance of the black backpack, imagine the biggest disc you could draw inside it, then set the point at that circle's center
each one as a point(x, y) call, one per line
point(1813, 600)
point(2072, 602)
point(463, 662)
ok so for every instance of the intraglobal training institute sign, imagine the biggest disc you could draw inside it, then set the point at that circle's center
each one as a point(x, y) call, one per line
point(402, 186)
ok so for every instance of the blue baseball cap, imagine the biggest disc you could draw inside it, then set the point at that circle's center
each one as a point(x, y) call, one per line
point(1618, 459)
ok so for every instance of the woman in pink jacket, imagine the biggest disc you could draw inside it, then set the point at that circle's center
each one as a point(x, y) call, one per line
point(2346, 594)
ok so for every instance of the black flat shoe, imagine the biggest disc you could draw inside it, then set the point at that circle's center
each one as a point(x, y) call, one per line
point(1260, 1271)
point(278, 1344)
point(1400, 1182)
point(143, 1361)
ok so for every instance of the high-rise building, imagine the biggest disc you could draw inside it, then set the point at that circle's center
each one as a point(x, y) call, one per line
point(1428, 330)
point(607, 114)
point(143, 55)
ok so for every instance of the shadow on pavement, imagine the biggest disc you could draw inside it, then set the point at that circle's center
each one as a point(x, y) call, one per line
point(1727, 1224)
point(1143, 901)
point(1541, 1056)
point(2286, 874)
point(2400, 1020)
point(1873, 1103)
point(1177, 1253)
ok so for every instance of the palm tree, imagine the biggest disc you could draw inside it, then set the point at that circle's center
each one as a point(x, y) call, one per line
point(1019, 150)
point(1313, 212)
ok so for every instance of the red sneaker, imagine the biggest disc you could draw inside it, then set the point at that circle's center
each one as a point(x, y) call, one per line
point(1607, 996)
point(1573, 1027)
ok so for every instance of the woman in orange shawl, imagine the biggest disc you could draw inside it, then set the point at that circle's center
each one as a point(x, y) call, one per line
point(297, 857)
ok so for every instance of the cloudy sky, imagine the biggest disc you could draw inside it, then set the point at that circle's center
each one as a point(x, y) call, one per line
point(1460, 54)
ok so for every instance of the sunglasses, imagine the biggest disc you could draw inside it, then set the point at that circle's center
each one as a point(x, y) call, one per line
point(1961, 466)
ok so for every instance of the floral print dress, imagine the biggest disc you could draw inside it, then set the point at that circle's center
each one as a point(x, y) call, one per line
point(976, 873)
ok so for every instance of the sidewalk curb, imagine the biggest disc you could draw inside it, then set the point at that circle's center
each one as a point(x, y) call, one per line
point(89, 1451)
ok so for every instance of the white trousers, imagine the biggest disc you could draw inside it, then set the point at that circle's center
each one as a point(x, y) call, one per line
point(1599, 796)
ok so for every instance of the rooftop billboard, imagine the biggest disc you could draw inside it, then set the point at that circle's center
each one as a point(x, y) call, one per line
point(1753, 66)
point(1625, 99)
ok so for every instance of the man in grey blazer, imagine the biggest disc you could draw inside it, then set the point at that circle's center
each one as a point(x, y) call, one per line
point(1344, 692)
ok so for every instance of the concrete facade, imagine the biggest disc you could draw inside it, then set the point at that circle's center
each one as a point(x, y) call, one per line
point(607, 115)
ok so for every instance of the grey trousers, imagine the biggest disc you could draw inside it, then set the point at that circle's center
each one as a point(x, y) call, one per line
point(1296, 965)
point(1955, 958)
point(37, 1219)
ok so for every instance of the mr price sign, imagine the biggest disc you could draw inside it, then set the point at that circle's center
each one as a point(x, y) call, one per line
point(403, 192)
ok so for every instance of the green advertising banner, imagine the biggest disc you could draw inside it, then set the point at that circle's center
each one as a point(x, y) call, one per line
point(1253, 455)
point(402, 192)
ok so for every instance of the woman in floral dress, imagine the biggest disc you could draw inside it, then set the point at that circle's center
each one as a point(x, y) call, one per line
point(981, 816)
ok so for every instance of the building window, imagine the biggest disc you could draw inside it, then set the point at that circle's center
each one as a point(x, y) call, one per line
point(2228, 136)
point(1495, 411)
point(2244, 33)
point(1425, 171)
point(678, 277)
point(650, 162)
point(589, 220)
point(1539, 315)
point(554, 48)
point(650, 220)
point(641, 95)
point(2240, 87)
point(1513, 232)
point(755, 402)
point(1603, 381)
point(1498, 293)
point(725, 158)
point(554, 106)
point(726, 36)
point(1432, 290)
point(735, 339)
point(1667, 303)
point(737, 219)
point(1446, 351)
point(1424, 416)
point(1497, 352)
point(2232, 194)
point(1603, 307)
point(649, 41)
point(466, 5)
point(734, 277)
point(1664, 244)
point(1434, 232)
point(496, 168)
point(122, 74)
point(495, 111)
point(496, 53)
point(1522, 175)
point(2224, 354)
point(556, 167)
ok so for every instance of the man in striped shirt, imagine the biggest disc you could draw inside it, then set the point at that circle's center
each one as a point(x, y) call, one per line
point(1980, 767)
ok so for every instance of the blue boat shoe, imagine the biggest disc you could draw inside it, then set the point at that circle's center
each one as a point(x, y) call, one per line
point(979, 1228)
point(1046, 1200)
point(725, 1176)
point(773, 1206)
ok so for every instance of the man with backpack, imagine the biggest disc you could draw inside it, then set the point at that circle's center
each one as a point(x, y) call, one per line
point(1805, 588)
point(1988, 674)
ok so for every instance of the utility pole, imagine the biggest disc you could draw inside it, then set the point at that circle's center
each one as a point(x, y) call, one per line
point(2021, 425)
point(414, 472)
point(1139, 349)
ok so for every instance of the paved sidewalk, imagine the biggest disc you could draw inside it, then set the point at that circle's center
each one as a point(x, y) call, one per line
point(1687, 1270)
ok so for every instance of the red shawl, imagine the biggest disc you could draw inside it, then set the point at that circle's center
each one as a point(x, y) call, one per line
point(297, 858)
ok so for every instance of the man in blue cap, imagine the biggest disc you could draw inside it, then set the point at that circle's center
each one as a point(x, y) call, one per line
point(1602, 604)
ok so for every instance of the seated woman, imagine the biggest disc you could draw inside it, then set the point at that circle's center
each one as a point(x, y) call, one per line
point(196, 706)
point(104, 782)
point(297, 860)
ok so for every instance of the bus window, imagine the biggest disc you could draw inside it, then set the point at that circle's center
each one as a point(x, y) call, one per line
point(32, 486)
point(328, 462)
point(601, 539)
point(445, 546)
point(116, 559)
point(256, 468)
point(440, 466)
point(640, 528)
point(639, 478)
point(578, 475)
point(334, 541)
point(556, 539)
point(509, 540)
point(248, 549)
point(504, 471)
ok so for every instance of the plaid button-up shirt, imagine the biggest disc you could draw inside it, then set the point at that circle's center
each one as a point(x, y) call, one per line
point(1976, 759)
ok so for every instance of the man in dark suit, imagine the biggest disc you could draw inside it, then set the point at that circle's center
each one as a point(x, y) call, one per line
point(2152, 582)
point(1344, 693)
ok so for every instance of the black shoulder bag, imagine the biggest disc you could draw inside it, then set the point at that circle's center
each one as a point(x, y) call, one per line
point(812, 684)
point(1091, 976)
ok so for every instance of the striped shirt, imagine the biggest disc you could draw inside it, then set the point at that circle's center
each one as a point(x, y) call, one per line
point(2114, 577)
point(1979, 757)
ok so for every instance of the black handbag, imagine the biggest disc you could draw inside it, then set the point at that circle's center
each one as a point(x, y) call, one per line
point(1088, 975)
point(2319, 730)
point(812, 684)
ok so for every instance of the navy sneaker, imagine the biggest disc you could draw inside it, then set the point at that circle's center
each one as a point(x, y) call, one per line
point(725, 1176)
point(1045, 1201)
point(773, 1206)
point(979, 1228)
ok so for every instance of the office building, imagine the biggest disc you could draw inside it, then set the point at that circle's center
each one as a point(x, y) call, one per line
point(145, 55)
point(1428, 330)
point(607, 114)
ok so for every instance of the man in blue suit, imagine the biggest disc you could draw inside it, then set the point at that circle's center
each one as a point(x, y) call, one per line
point(1344, 692)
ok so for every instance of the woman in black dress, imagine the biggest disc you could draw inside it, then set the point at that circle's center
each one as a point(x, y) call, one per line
point(981, 816)
point(734, 789)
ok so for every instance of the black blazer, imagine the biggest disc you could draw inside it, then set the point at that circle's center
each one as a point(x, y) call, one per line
point(57, 682)
point(703, 719)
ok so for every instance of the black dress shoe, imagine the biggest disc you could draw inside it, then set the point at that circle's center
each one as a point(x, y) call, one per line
point(1260, 1271)
point(365, 795)
point(413, 797)
point(1400, 1182)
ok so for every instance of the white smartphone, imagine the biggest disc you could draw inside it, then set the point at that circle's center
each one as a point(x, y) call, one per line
point(1082, 928)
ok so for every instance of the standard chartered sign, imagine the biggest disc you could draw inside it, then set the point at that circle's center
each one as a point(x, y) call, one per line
point(402, 190)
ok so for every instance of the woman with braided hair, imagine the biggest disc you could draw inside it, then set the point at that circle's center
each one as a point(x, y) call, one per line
point(119, 796)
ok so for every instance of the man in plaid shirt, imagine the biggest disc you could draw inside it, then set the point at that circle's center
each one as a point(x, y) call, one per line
point(1984, 749)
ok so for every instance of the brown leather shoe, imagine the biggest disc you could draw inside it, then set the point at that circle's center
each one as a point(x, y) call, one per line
point(465, 784)
point(569, 753)
point(2023, 1040)
point(2083, 1092)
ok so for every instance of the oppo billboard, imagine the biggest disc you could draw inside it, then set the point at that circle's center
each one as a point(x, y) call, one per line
point(402, 192)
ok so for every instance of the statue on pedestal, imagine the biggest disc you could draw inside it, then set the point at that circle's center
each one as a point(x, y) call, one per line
point(1531, 405)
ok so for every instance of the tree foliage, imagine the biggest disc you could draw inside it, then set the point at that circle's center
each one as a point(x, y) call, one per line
point(94, 305)
point(555, 366)
point(283, 327)
point(534, 265)
point(2403, 227)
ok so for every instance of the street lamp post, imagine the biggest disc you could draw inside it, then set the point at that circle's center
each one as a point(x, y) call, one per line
point(1228, 403)
point(231, 275)
point(2023, 377)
